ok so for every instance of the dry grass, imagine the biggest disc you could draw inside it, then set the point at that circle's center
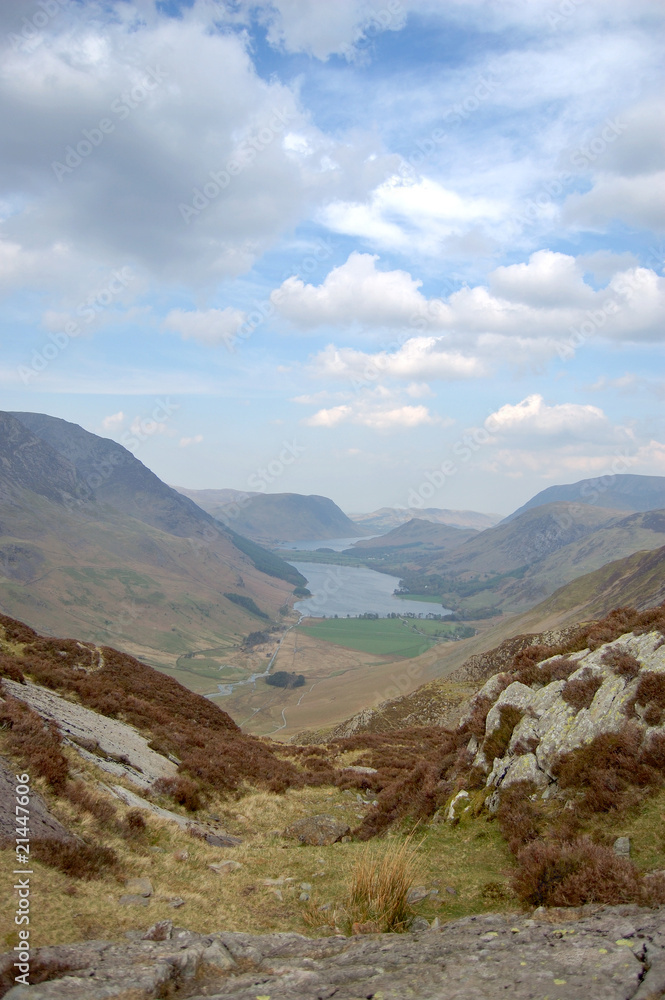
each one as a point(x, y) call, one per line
point(380, 883)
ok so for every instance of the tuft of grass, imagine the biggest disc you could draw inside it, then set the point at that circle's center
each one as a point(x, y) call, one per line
point(380, 883)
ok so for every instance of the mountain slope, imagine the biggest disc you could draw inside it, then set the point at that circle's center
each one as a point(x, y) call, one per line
point(525, 540)
point(280, 517)
point(94, 543)
point(619, 492)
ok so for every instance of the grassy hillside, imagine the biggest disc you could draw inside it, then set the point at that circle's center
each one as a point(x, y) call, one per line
point(394, 636)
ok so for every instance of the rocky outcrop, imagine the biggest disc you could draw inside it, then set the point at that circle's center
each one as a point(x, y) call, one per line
point(320, 831)
point(43, 824)
point(548, 720)
point(613, 953)
point(111, 745)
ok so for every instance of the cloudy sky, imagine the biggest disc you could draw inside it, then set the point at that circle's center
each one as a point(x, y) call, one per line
point(395, 252)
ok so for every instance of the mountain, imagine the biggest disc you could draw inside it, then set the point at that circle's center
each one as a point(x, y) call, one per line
point(523, 541)
point(272, 518)
point(618, 492)
point(214, 502)
point(415, 535)
point(92, 542)
point(386, 518)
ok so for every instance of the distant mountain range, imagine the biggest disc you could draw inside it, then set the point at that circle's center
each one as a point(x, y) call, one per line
point(414, 536)
point(386, 518)
point(618, 492)
point(272, 518)
point(93, 543)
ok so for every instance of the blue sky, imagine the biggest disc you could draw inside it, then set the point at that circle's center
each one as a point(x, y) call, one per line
point(395, 252)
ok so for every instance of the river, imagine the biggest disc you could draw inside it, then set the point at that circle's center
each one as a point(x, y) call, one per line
point(354, 590)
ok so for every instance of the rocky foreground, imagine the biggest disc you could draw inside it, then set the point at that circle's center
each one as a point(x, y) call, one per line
point(608, 953)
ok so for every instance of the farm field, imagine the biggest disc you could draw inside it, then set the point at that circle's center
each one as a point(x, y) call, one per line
point(382, 636)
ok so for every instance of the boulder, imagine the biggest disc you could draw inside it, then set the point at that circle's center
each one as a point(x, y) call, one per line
point(320, 831)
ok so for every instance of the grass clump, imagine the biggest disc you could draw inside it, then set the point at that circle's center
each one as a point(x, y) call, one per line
point(377, 900)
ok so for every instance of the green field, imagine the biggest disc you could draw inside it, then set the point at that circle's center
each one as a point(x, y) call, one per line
point(381, 636)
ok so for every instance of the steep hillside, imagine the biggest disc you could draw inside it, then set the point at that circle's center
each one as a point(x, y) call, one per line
point(417, 535)
point(93, 542)
point(271, 518)
point(618, 492)
point(386, 518)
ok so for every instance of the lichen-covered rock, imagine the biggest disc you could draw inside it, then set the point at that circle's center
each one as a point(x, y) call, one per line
point(551, 726)
point(611, 953)
point(321, 831)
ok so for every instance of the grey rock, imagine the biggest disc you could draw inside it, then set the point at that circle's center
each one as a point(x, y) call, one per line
point(133, 899)
point(222, 840)
point(416, 894)
point(43, 823)
point(419, 924)
point(485, 957)
point(321, 830)
point(621, 847)
point(139, 886)
point(161, 931)
point(303, 897)
point(225, 867)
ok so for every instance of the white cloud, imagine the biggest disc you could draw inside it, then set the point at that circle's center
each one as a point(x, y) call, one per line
point(403, 214)
point(321, 30)
point(419, 357)
point(354, 292)
point(329, 418)
point(636, 200)
point(113, 421)
point(185, 442)
point(377, 417)
point(526, 314)
point(209, 326)
point(534, 417)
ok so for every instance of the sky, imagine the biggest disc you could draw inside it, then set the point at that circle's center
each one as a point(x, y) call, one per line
point(399, 253)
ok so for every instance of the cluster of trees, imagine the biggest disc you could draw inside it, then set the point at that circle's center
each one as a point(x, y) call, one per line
point(247, 603)
point(285, 679)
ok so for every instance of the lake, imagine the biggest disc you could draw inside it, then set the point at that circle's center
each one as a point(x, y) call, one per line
point(336, 544)
point(354, 590)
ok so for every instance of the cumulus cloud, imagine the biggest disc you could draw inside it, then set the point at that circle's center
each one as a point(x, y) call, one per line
point(354, 292)
point(528, 312)
point(417, 358)
point(135, 136)
point(185, 442)
point(405, 214)
point(534, 417)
